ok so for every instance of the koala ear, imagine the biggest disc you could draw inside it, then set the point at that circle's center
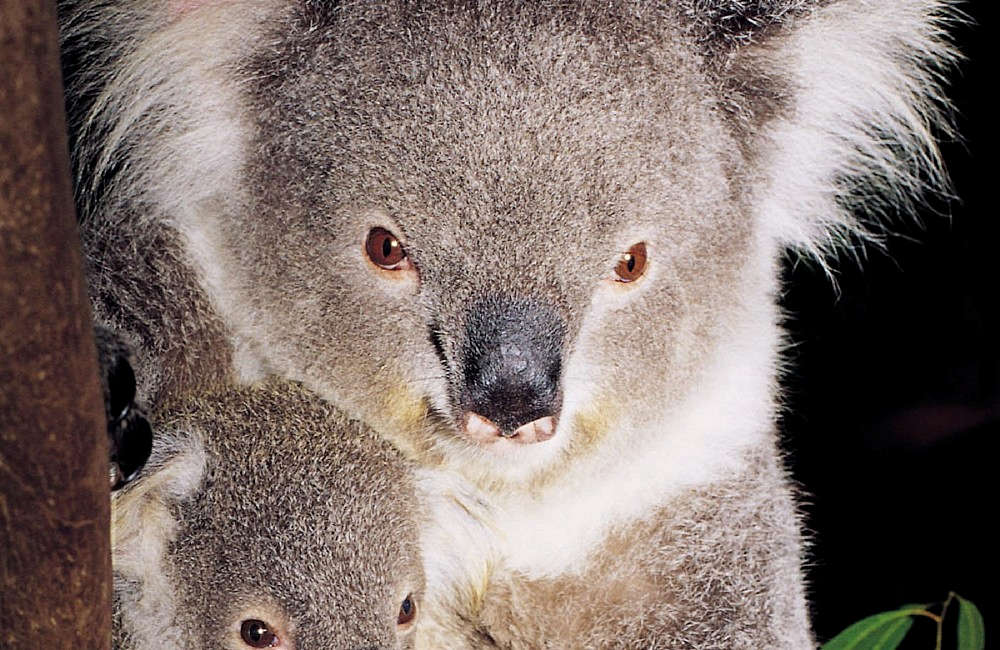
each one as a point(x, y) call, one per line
point(142, 516)
point(840, 104)
point(143, 522)
point(150, 82)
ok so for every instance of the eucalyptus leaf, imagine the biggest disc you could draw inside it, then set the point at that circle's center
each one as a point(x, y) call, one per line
point(892, 634)
point(878, 632)
point(971, 629)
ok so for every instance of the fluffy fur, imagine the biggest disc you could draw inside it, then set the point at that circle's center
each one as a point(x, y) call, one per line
point(233, 156)
point(251, 508)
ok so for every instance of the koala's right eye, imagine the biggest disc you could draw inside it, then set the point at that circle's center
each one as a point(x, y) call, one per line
point(632, 264)
point(385, 250)
point(258, 634)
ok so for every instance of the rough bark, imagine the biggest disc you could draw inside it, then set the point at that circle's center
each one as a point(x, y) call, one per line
point(55, 568)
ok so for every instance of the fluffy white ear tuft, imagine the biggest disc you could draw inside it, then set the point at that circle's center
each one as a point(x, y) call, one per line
point(161, 95)
point(141, 519)
point(142, 525)
point(865, 107)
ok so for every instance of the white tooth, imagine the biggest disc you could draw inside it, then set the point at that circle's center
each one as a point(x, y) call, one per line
point(479, 428)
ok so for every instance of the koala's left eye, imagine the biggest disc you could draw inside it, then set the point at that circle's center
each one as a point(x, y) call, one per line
point(632, 264)
point(258, 634)
point(407, 611)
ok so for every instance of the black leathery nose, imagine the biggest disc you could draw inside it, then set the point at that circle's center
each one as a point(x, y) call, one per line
point(512, 360)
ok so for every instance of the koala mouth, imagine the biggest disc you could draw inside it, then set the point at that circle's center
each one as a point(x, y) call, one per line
point(483, 431)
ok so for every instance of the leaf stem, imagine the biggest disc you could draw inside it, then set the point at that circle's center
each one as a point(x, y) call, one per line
point(940, 620)
point(931, 615)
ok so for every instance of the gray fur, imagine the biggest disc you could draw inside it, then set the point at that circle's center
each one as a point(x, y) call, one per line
point(737, 22)
point(263, 503)
point(235, 154)
point(659, 583)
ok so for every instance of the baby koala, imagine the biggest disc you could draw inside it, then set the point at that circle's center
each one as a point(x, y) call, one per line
point(265, 519)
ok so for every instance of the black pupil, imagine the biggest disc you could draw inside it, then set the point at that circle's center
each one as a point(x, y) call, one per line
point(387, 247)
point(630, 262)
point(257, 634)
point(406, 607)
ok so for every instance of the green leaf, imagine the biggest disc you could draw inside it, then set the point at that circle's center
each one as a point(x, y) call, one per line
point(971, 629)
point(879, 632)
point(892, 634)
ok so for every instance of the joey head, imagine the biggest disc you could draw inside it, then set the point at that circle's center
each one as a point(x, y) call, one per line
point(265, 519)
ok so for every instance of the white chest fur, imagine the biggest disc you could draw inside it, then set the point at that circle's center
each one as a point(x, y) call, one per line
point(554, 531)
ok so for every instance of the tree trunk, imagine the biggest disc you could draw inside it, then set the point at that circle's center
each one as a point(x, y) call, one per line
point(55, 567)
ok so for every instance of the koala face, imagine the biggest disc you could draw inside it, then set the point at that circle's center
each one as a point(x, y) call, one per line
point(497, 232)
point(265, 520)
point(476, 229)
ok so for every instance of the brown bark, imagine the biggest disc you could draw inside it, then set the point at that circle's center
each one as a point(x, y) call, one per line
point(55, 569)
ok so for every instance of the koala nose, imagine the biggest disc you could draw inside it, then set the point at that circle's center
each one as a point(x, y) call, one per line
point(512, 359)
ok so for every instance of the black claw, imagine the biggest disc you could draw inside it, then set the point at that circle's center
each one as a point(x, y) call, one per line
point(129, 435)
point(135, 442)
point(121, 388)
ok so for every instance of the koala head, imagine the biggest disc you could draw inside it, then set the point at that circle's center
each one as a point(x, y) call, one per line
point(266, 520)
point(500, 231)
point(494, 221)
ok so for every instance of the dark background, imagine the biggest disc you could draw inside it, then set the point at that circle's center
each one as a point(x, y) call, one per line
point(893, 403)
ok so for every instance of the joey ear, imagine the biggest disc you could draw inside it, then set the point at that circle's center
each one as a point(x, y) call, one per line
point(840, 103)
point(141, 515)
point(143, 524)
point(175, 468)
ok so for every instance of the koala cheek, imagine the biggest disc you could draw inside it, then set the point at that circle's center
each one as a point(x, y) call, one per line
point(403, 406)
point(592, 423)
point(608, 377)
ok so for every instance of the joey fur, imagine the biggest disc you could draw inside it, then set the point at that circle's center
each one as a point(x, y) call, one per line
point(263, 504)
point(235, 160)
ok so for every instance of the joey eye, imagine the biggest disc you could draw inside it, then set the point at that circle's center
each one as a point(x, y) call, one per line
point(385, 250)
point(632, 264)
point(257, 634)
point(407, 611)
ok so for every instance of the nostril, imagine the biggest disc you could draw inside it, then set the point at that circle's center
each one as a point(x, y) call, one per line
point(510, 385)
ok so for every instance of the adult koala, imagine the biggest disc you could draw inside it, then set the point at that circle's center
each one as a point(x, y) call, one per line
point(535, 245)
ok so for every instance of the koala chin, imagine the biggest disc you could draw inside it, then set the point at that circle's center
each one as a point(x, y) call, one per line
point(534, 245)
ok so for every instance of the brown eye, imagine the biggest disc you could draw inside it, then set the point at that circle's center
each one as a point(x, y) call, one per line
point(632, 264)
point(385, 250)
point(407, 611)
point(258, 634)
